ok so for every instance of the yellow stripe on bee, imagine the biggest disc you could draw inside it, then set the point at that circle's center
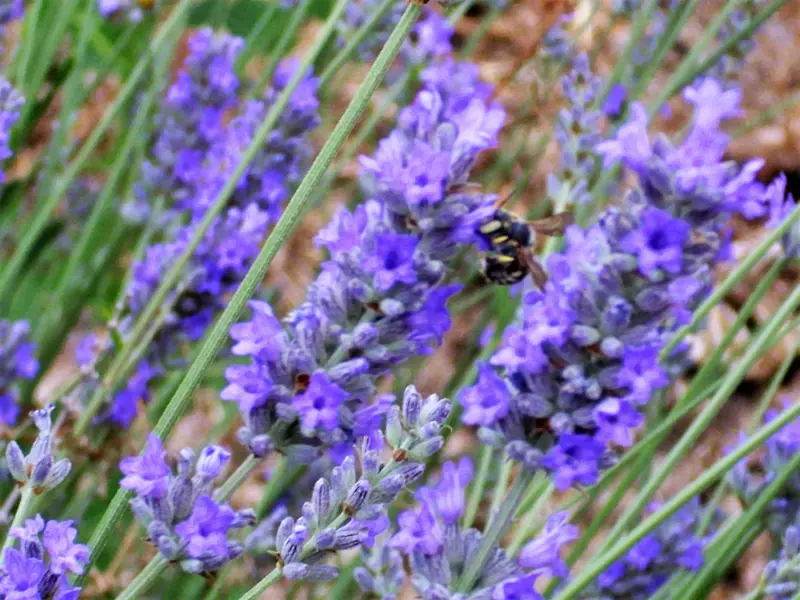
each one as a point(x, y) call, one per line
point(504, 259)
point(499, 239)
point(490, 227)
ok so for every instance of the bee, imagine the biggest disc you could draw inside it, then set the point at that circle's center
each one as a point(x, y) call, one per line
point(511, 238)
point(146, 4)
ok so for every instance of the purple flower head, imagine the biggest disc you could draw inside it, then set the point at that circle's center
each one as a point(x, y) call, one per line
point(616, 101)
point(486, 401)
point(418, 532)
point(712, 103)
point(658, 242)
point(521, 588)
point(17, 362)
point(447, 497)
point(148, 475)
point(319, 405)
point(212, 460)
point(11, 10)
point(206, 530)
point(641, 373)
point(632, 144)
point(615, 419)
point(430, 38)
point(65, 554)
point(22, 576)
point(433, 319)
point(542, 554)
point(576, 459)
point(393, 262)
point(258, 337)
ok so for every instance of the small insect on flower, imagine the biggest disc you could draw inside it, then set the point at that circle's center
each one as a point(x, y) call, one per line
point(510, 239)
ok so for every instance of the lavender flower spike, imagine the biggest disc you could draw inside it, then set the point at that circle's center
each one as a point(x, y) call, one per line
point(349, 509)
point(48, 554)
point(647, 566)
point(39, 468)
point(584, 357)
point(440, 550)
point(10, 104)
point(17, 362)
point(182, 520)
point(379, 299)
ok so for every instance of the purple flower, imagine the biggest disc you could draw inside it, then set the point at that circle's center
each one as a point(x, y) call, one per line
point(542, 554)
point(65, 554)
point(393, 261)
point(641, 373)
point(712, 103)
point(615, 419)
point(22, 576)
point(17, 362)
point(206, 530)
point(521, 588)
point(447, 497)
point(419, 532)
point(615, 102)
point(486, 401)
point(658, 242)
point(319, 404)
point(632, 144)
point(257, 337)
point(148, 475)
point(212, 460)
point(575, 459)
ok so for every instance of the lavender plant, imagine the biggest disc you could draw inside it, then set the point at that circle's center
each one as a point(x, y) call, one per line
point(182, 158)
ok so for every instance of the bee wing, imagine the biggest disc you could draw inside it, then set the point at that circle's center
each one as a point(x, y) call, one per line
point(469, 186)
point(535, 269)
point(554, 225)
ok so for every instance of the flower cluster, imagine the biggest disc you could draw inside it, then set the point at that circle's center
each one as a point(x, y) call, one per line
point(429, 41)
point(194, 176)
point(382, 574)
point(749, 477)
point(780, 206)
point(10, 103)
point(655, 558)
point(10, 10)
point(584, 356)
point(39, 469)
point(190, 121)
point(577, 132)
point(348, 510)
point(781, 577)
point(130, 10)
point(379, 298)
point(182, 518)
point(41, 567)
point(441, 550)
point(18, 363)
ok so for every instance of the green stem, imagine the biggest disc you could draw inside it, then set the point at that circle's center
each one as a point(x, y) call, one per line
point(144, 579)
point(263, 585)
point(501, 485)
point(255, 36)
point(23, 510)
point(354, 42)
point(276, 239)
point(476, 493)
point(283, 44)
point(542, 490)
point(497, 529)
point(237, 478)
